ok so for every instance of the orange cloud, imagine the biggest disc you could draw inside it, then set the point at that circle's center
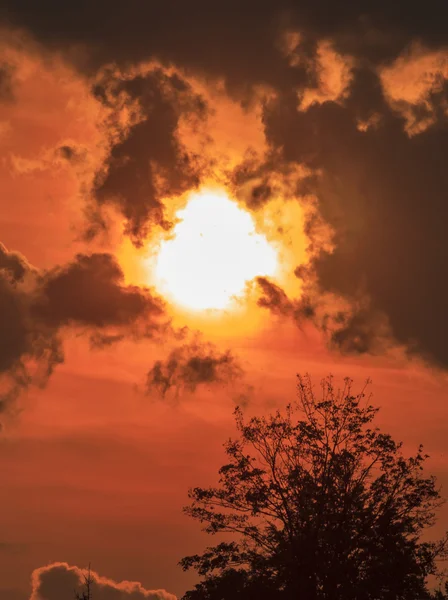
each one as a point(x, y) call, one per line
point(58, 580)
point(232, 128)
point(333, 77)
point(412, 83)
point(328, 73)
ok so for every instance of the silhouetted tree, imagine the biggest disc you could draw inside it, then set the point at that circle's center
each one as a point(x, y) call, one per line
point(86, 593)
point(320, 505)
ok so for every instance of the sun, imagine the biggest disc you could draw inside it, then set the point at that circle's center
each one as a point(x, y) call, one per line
point(213, 252)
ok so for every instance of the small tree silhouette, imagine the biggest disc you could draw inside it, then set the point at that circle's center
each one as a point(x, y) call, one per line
point(86, 593)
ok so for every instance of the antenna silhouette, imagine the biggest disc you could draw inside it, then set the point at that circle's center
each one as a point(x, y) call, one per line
point(86, 593)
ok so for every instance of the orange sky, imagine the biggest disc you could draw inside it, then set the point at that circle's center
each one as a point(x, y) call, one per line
point(95, 469)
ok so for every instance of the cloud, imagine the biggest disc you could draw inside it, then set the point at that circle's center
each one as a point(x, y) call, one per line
point(382, 193)
point(51, 159)
point(368, 141)
point(88, 293)
point(6, 82)
point(276, 300)
point(192, 365)
point(29, 349)
point(13, 264)
point(199, 36)
point(258, 180)
point(58, 580)
point(147, 162)
point(124, 155)
point(209, 40)
point(415, 86)
point(349, 327)
point(333, 74)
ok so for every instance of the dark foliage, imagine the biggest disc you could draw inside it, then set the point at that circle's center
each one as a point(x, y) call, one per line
point(319, 504)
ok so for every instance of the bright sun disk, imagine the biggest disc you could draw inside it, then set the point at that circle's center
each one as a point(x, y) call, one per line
point(213, 253)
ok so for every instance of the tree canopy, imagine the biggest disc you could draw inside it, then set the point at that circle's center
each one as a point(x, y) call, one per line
point(319, 504)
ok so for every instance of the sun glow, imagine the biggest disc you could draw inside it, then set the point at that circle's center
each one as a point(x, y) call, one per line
point(213, 252)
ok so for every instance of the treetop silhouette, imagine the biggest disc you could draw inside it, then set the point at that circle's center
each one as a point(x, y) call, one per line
point(319, 504)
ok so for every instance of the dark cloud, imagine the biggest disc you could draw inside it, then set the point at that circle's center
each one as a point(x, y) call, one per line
point(353, 327)
point(257, 181)
point(13, 264)
point(101, 340)
point(89, 293)
point(276, 300)
point(6, 83)
point(358, 115)
point(236, 39)
point(24, 341)
point(190, 366)
point(67, 152)
point(384, 194)
point(58, 580)
point(147, 163)
point(72, 153)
